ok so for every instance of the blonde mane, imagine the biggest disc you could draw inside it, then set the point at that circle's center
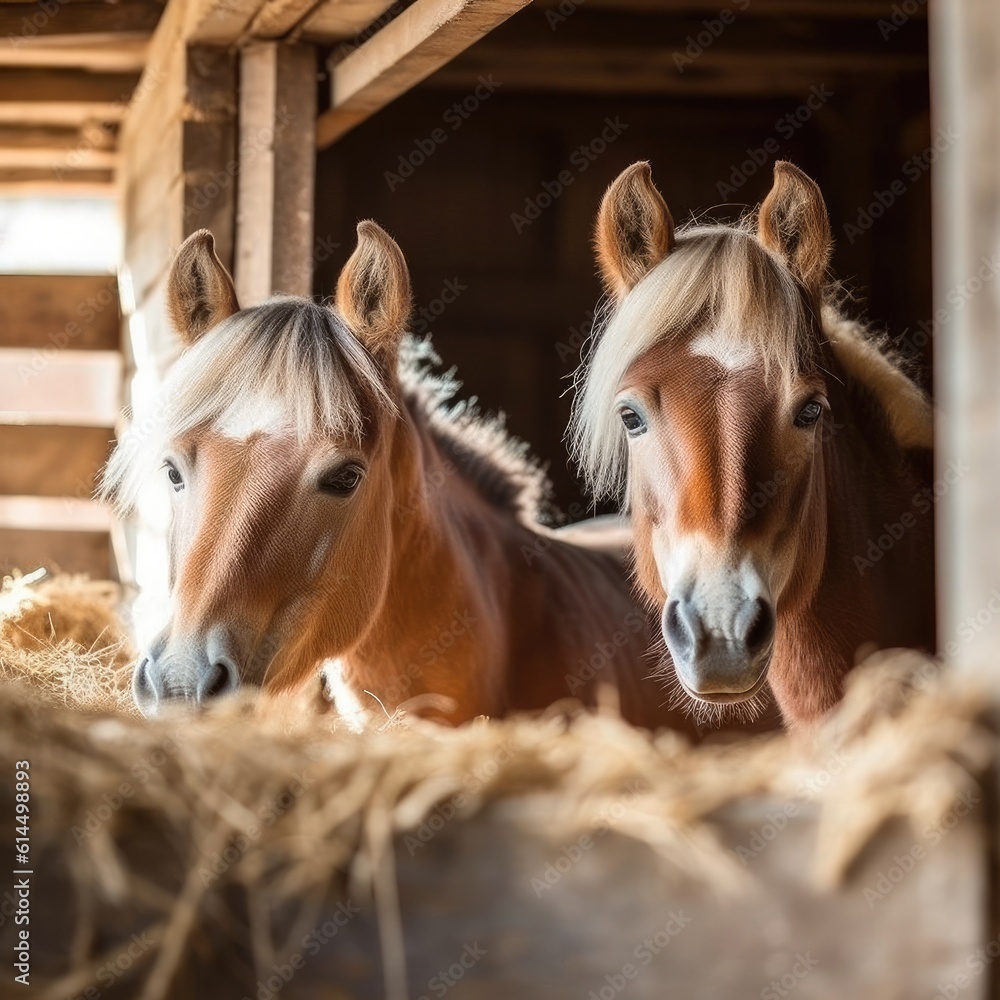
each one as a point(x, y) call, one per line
point(296, 355)
point(720, 278)
point(715, 278)
point(300, 359)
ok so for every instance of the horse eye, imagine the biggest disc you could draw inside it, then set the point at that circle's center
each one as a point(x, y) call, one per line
point(343, 481)
point(176, 479)
point(809, 414)
point(634, 424)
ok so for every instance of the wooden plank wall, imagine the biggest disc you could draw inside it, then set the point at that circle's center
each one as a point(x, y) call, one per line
point(596, 917)
point(59, 371)
point(178, 147)
point(178, 171)
point(966, 88)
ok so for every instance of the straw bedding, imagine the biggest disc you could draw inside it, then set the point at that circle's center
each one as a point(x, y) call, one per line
point(910, 735)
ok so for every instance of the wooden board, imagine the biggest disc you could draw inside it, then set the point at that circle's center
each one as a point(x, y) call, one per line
point(218, 22)
point(274, 225)
point(828, 10)
point(350, 21)
point(67, 111)
point(55, 137)
point(31, 84)
point(32, 513)
point(965, 96)
point(41, 460)
point(58, 162)
point(76, 311)
point(29, 183)
point(33, 20)
point(281, 17)
point(120, 52)
point(492, 912)
point(408, 49)
point(178, 148)
point(78, 388)
point(58, 551)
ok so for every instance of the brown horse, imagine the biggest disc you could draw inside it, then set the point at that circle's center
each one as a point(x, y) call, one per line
point(776, 460)
point(330, 506)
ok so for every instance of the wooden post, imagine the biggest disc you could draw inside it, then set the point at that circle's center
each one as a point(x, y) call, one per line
point(965, 49)
point(277, 155)
point(178, 175)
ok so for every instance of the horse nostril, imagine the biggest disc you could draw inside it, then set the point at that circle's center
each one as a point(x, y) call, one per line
point(761, 628)
point(677, 631)
point(222, 679)
point(142, 687)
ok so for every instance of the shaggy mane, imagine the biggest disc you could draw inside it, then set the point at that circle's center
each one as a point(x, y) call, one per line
point(721, 278)
point(499, 465)
point(301, 359)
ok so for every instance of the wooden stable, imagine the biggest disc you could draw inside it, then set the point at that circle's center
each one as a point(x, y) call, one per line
point(60, 387)
point(271, 123)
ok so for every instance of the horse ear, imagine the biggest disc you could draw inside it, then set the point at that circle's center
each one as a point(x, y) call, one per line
point(200, 293)
point(794, 224)
point(634, 229)
point(373, 290)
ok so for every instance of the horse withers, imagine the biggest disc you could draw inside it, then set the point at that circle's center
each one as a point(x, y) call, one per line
point(767, 444)
point(331, 508)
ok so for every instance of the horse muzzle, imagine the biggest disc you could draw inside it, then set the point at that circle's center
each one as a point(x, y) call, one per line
point(184, 672)
point(720, 665)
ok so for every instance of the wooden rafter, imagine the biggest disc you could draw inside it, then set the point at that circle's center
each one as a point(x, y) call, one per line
point(109, 53)
point(408, 49)
point(352, 21)
point(25, 85)
point(29, 21)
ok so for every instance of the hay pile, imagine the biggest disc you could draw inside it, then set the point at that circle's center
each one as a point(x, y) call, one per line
point(911, 738)
point(65, 638)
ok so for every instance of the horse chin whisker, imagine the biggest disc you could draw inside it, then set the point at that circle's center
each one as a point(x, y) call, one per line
point(703, 713)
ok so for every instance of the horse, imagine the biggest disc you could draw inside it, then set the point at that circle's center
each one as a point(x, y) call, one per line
point(330, 505)
point(774, 455)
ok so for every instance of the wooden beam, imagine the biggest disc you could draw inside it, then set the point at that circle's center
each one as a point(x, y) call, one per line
point(828, 10)
point(74, 388)
point(407, 50)
point(33, 513)
point(65, 112)
point(279, 18)
point(219, 22)
point(274, 223)
point(107, 53)
point(353, 21)
point(52, 461)
point(965, 96)
point(57, 312)
point(70, 186)
point(54, 137)
point(22, 22)
point(58, 551)
point(21, 181)
point(24, 85)
point(179, 160)
point(58, 161)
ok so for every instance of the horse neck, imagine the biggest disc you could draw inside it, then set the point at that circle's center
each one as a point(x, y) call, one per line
point(866, 493)
point(870, 479)
point(420, 639)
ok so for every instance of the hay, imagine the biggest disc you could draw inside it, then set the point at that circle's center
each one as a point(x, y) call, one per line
point(907, 740)
point(64, 637)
